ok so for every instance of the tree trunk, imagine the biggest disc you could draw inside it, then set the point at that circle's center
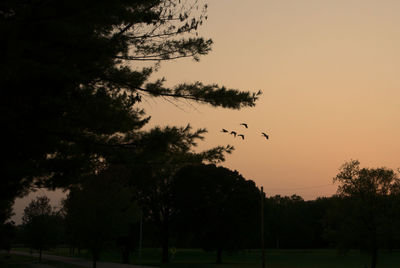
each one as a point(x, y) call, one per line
point(219, 256)
point(374, 257)
point(165, 255)
point(95, 255)
point(277, 244)
point(165, 239)
point(40, 254)
point(72, 250)
point(125, 255)
point(374, 251)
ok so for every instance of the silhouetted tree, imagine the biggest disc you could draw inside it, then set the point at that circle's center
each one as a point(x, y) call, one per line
point(70, 78)
point(292, 222)
point(100, 210)
point(364, 208)
point(286, 221)
point(7, 235)
point(316, 222)
point(217, 206)
point(7, 229)
point(6, 210)
point(128, 241)
point(41, 224)
point(165, 151)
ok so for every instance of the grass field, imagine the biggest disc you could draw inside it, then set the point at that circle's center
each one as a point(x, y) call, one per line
point(17, 261)
point(195, 258)
point(286, 259)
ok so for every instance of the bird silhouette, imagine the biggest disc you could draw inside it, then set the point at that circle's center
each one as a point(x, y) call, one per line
point(244, 124)
point(224, 130)
point(241, 135)
point(233, 133)
point(265, 135)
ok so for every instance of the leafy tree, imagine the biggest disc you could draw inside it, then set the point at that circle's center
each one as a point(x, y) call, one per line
point(7, 228)
point(100, 210)
point(128, 241)
point(164, 152)
point(316, 221)
point(71, 74)
point(41, 224)
point(284, 219)
point(6, 211)
point(364, 208)
point(291, 222)
point(7, 235)
point(218, 207)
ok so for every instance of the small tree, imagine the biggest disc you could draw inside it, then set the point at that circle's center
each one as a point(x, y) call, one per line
point(365, 207)
point(41, 224)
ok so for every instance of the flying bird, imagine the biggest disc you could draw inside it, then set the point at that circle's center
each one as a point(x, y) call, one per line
point(241, 135)
point(265, 135)
point(224, 130)
point(244, 124)
point(233, 133)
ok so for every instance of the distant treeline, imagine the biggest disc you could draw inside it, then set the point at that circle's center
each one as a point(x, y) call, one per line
point(214, 208)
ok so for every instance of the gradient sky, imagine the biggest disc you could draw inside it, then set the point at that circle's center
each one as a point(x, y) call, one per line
point(330, 75)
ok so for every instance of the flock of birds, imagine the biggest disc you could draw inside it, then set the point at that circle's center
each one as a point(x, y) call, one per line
point(234, 133)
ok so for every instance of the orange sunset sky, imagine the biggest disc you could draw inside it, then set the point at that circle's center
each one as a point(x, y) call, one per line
point(330, 75)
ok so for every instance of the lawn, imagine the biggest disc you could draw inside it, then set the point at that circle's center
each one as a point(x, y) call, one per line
point(18, 261)
point(286, 259)
point(196, 258)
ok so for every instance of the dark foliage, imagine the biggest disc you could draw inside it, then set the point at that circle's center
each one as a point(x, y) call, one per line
point(163, 151)
point(365, 210)
point(217, 207)
point(7, 235)
point(100, 211)
point(42, 226)
point(70, 79)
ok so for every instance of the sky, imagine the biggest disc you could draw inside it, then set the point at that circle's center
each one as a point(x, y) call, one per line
point(330, 76)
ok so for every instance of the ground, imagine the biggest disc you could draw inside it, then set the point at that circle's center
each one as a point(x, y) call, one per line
point(196, 258)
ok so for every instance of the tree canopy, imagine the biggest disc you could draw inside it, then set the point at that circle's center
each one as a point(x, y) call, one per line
point(71, 76)
point(100, 210)
point(41, 224)
point(163, 152)
point(365, 208)
point(217, 206)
